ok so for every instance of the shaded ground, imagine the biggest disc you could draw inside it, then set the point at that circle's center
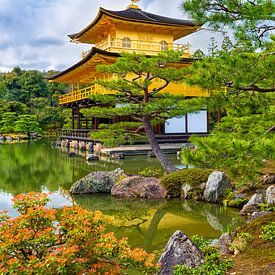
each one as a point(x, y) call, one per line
point(259, 257)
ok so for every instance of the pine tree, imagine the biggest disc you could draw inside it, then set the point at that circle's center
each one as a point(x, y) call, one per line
point(138, 95)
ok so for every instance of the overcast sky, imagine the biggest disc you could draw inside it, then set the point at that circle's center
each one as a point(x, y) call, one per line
point(33, 33)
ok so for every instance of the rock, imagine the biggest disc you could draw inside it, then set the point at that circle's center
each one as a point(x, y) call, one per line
point(139, 187)
point(252, 205)
point(270, 195)
point(256, 199)
point(224, 243)
point(92, 157)
point(192, 192)
point(256, 215)
point(96, 182)
point(179, 250)
point(216, 184)
point(249, 209)
point(268, 179)
point(185, 188)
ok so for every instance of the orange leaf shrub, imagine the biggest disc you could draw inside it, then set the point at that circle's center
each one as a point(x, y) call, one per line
point(70, 241)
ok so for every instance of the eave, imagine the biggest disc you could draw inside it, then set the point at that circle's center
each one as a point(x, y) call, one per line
point(88, 65)
point(184, 25)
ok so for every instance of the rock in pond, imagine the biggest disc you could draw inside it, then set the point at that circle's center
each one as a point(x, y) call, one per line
point(270, 195)
point(139, 187)
point(216, 184)
point(179, 250)
point(96, 182)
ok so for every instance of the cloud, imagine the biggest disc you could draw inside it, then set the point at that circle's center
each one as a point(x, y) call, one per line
point(33, 33)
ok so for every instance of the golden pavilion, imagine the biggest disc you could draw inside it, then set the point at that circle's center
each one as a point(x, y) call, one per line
point(129, 30)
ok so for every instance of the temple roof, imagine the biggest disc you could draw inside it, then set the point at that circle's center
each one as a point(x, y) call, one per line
point(70, 74)
point(136, 15)
point(85, 60)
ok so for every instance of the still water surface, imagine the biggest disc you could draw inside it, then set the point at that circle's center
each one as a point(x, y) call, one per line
point(37, 167)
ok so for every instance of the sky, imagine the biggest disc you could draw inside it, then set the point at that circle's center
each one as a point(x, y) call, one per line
point(33, 33)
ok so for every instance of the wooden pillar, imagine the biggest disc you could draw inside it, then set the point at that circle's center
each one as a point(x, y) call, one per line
point(78, 119)
point(73, 117)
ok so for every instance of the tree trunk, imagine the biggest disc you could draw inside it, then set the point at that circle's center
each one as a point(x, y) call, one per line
point(166, 164)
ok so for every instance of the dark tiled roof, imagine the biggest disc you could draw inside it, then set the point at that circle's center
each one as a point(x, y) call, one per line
point(140, 15)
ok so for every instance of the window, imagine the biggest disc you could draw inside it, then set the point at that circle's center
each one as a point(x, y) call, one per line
point(163, 45)
point(126, 42)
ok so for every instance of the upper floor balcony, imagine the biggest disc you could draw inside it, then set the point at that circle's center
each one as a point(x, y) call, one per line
point(147, 47)
point(176, 89)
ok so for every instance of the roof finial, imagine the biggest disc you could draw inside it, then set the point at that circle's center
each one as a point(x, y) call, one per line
point(133, 6)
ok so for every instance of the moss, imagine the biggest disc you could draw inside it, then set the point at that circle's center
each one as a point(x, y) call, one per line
point(259, 254)
point(194, 177)
point(151, 172)
point(255, 226)
point(237, 203)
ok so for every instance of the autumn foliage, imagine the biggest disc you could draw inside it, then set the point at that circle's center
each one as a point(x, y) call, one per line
point(71, 240)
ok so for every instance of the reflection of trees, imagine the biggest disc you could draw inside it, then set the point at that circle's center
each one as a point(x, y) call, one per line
point(29, 166)
point(140, 220)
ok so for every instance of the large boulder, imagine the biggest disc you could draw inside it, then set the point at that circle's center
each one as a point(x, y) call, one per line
point(139, 187)
point(179, 250)
point(96, 182)
point(216, 185)
point(270, 195)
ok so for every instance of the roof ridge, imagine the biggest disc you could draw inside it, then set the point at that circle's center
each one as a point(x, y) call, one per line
point(143, 13)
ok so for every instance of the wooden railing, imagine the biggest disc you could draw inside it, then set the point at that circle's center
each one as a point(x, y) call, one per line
point(117, 45)
point(75, 133)
point(77, 95)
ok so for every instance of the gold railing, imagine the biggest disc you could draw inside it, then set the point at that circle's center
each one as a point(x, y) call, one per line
point(77, 95)
point(117, 45)
point(174, 89)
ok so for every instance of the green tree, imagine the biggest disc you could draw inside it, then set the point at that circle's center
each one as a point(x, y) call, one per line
point(241, 78)
point(7, 122)
point(27, 124)
point(139, 100)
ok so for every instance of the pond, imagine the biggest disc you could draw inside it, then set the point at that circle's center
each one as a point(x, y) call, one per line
point(35, 166)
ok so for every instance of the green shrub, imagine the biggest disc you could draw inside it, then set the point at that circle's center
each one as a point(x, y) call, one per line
point(268, 232)
point(212, 264)
point(194, 177)
point(151, 172)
